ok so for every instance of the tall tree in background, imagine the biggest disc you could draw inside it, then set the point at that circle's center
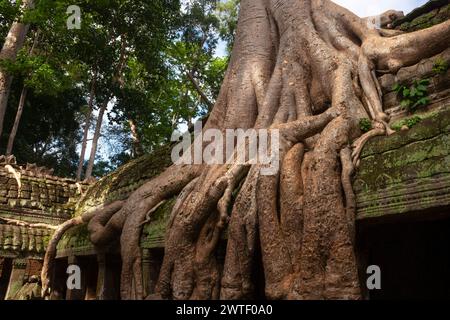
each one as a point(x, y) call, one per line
point(13, 43)
point(88, 117)
point(45, 67)
point(193, 55)
point(170, 73)
point(143, 41)
point(23, 97)
point(93, 54)
point(157, 98)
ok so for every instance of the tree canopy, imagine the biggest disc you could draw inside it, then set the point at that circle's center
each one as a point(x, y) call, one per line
point(151, 65)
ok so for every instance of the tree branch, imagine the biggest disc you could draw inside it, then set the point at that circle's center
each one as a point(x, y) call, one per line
point(199, 90)
point(28, 225)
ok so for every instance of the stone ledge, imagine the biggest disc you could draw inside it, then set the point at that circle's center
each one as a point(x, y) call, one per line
point(415, 196)
point(406, 172)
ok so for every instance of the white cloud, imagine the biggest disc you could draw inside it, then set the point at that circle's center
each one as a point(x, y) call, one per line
point(373, 7)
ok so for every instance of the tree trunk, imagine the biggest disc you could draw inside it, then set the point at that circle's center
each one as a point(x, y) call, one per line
point(23, 97)
point(13, 43)
point(12, 136)
point(97, 133)
point(119, 78)
point(137, 144)
point(86, 131)
point(305, 69)
point(199, 90)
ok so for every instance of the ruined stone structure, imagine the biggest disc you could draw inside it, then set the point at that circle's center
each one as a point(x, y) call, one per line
point(402, 187)
point(34, 197)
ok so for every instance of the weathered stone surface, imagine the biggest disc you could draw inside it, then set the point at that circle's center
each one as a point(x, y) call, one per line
point(120, 184)
point(431, 13)
point(38, 199)
point(23, 240)
point(154, 232)
point(439, 89)
point(76, 243)
point(32, 198)
point(17, 278)
point(406, 172)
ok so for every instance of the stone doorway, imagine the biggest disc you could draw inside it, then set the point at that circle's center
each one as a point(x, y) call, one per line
point(5, 274)
point(414, 259)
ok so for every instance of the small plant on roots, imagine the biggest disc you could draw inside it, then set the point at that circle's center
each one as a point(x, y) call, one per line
point(365, 125)
point(409, 122)
point(414, 96)
point(440, 66)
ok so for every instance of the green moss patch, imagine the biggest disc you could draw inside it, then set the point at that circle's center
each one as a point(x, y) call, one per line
point(121, 183)
point(154, 232)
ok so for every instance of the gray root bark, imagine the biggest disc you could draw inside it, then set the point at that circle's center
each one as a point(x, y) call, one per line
point(307, 69)
point(50, 254)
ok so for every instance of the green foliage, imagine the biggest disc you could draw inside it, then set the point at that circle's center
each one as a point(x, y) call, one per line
point(139, 53)
point(102, 168)
point(409, 122)
point(228, 12)
point(440, 66)
point(192, 57)
point(413, 96)
point(365, 125)
point(41, 74)
point(114, 33)
point(49, 129)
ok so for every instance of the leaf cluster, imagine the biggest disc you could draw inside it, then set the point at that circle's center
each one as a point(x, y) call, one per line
point(413, 96)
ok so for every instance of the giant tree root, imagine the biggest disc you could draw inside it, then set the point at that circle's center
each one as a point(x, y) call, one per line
point(50, 254)
point(20, 223)
point(305, 68)
point(359, 144)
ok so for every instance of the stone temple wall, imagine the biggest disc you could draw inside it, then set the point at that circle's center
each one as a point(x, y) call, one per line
point(32, 195)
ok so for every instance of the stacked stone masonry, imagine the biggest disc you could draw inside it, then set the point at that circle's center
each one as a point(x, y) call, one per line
point(29, 195)
point(36, 197)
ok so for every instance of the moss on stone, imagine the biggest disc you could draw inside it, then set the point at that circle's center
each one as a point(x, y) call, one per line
point(432, 125)
point(77, 237)
point(407, 171)
point(428, 15)
point(121, 183)
point(153, 232)
point(420, 159)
